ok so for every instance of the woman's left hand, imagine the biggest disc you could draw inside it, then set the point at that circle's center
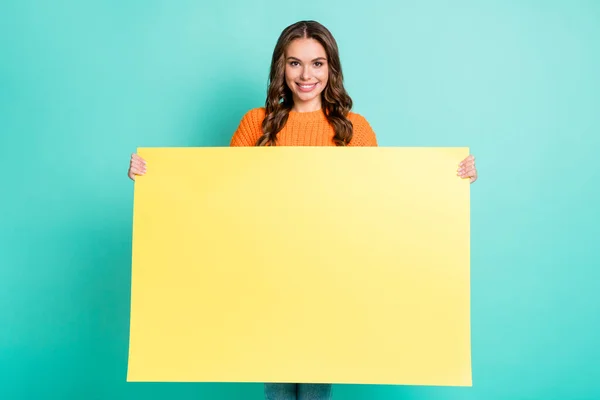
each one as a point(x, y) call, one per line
point(466, 169)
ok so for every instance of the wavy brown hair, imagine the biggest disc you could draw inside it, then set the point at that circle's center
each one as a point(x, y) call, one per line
point(336, 103)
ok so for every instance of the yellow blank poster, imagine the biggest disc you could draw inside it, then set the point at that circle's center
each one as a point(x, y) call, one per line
point(300, 264)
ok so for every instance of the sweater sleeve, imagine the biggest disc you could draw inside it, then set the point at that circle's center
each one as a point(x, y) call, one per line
point(249, 129)
point(363, 134)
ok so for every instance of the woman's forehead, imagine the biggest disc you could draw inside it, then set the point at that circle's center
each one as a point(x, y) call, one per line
point(305, 48)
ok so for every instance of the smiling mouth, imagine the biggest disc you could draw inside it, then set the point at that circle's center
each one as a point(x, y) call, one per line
point(306, 88)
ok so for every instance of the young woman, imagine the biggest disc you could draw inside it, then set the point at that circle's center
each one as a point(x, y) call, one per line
point(306, 105)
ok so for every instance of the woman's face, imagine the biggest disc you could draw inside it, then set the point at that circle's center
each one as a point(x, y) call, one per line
point(306, 73)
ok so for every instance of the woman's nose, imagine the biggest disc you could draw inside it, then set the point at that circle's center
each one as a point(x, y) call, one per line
point(305, 73)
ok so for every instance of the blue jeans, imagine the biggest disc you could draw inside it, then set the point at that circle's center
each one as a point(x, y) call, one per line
point(297, 391)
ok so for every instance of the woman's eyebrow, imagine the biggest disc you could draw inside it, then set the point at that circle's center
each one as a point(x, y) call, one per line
point(316, 59)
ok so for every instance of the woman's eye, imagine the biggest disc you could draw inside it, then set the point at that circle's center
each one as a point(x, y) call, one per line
point(318, 64)
point(294, 63)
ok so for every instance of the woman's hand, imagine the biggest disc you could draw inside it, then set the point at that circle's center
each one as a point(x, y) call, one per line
point(466, 169)
point(137, 166)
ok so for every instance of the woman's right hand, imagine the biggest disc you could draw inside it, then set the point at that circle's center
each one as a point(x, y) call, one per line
point(137, 166)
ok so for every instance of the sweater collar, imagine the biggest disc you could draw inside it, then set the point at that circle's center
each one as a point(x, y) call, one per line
point(310, 116)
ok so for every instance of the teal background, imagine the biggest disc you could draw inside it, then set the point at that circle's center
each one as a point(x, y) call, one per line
point(83, 83)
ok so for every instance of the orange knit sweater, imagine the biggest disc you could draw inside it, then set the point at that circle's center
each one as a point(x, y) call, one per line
point(302, 129)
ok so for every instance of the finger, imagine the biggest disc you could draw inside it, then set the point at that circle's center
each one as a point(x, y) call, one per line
point(471, 171)
point(137, 171)
point(469, 159)
point(135, 161)
point(468, 173)
point(136, 157)
point(138, 164)
point(473, 179)
point(465, 169)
